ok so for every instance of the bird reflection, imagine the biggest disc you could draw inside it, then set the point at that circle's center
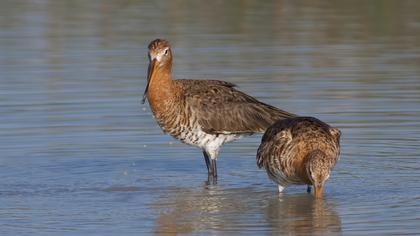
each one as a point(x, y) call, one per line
point(211, 210)
point(302, 215)
point(188, 211)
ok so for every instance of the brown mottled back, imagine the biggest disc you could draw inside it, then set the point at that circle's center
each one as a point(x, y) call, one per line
point(220, 108)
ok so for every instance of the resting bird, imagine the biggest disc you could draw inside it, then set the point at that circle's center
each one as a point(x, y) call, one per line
point(299, 150)
point(202, 113)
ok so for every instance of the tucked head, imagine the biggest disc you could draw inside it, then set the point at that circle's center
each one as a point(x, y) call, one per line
point(160, 57)
point(318, 169)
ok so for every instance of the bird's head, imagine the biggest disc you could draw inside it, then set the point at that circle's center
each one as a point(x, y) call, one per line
point(160, 57)
point(318, 170)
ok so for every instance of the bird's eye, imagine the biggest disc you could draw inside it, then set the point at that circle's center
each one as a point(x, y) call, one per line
point(166, 51)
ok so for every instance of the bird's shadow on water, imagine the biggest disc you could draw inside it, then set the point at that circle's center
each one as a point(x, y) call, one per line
point(243, 210)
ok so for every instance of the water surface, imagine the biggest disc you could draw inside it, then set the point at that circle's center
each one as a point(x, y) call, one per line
point(81, 155)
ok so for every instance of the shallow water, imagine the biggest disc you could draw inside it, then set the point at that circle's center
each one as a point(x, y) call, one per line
point(81, 155)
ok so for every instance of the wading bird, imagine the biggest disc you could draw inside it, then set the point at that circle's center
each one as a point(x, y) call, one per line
point(299, 150)
point(202, 113)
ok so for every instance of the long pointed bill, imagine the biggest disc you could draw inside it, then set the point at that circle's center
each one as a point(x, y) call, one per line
point(150, 72)
point(318, 191)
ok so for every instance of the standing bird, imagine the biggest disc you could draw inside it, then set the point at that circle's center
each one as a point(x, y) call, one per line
point(299, 150)
point(202, 113)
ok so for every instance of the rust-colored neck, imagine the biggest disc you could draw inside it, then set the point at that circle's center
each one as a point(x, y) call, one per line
point(160, 88)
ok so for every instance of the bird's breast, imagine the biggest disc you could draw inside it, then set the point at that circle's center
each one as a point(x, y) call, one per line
point(189, 131)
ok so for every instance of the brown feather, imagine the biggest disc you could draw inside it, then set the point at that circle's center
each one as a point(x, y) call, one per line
point(287, 148)
point(220, 108)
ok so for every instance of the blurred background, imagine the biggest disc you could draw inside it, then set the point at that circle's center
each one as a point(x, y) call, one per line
point(79, 153)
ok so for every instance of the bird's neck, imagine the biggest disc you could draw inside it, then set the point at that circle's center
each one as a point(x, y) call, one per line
point(160, 89)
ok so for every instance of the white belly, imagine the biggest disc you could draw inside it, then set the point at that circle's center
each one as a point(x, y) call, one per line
point(197, 137)
point(207, 141)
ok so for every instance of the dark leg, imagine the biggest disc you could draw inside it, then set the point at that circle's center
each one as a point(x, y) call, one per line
point(308, 190)
point(210, 158)
point(214, 168)
point(211, 165)
point(212, 178)
point(207, 159)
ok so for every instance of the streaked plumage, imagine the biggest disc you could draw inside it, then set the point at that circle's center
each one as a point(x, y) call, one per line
point(203, 113)
point(299, 150)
